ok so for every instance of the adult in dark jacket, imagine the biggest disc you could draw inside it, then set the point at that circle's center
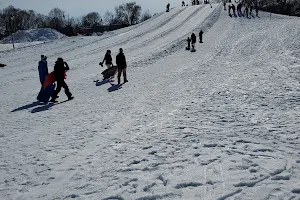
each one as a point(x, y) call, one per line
point(189, 44)
point(194, 40)
point(200, 36)
point(59, 72)
point(121, 64)
point(43, 69)
point(107, 59)
point(43, 72)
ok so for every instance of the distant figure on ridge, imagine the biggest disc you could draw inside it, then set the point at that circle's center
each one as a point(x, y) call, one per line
point(168, 7)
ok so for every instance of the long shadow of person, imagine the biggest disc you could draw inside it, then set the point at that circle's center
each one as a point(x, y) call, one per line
point(114, 87)
point(33, 104)
point(47, 106)
point(42, 108)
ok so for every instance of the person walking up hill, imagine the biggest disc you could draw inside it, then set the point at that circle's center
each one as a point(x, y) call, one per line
point(60, 68)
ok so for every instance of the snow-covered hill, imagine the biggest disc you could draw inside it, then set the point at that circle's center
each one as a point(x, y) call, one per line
point(33, 35)
point(220, 123)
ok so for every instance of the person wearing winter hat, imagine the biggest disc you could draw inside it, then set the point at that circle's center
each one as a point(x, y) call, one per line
point(60, 68)
point(43, 68)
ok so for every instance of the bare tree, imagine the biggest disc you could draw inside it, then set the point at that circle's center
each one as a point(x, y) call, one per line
point(128, 13)
point(145, 16)
point(91, 19)
point(109, 18)
point(56, 18)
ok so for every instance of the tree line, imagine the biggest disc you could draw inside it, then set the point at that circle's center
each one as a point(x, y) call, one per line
point(13, 19)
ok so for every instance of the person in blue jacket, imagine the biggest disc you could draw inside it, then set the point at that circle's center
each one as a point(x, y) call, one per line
point(43, 72)
point(43, 69)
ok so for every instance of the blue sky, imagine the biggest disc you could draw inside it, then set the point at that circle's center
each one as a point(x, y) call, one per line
point(78, 8)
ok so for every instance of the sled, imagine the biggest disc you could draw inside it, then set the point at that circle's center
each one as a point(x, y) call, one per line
point(50, 79)
point(109, 72)
point(45, 93)
point(2, 65)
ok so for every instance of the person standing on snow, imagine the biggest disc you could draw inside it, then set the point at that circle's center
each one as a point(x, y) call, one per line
point(43, 69)
point(43, 72)
point(256, 10)
point(60, 68)
point(168, 7)
point(122, 65)
point(183, 3)
point(239, 9)
point(107, 59)
point(233, 9)
point(200, 36)
point(194, 40)
point(189, 44)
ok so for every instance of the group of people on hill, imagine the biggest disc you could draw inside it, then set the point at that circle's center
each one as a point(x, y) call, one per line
point(247, 12)
point(195, 2)
point(192, 40)
point(120, 62)
point(61, 67)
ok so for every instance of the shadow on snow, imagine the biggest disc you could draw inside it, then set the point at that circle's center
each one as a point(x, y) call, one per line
point(31, 105)
point(114, 87)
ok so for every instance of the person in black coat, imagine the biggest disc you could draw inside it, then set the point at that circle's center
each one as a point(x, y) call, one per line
point(107, 59)
point(168, 8)
point(122, 65)
point(194, 40)
point(200, 36)
point(59, 73)
point(189, 44)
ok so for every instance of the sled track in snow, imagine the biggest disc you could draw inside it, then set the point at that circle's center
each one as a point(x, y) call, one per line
point(170, 19)
point(180, 42)
point(156, 25)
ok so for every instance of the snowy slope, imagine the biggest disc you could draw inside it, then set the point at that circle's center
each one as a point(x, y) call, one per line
point(41, 34)
point(220, 123)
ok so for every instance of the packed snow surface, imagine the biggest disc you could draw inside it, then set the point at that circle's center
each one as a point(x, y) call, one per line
point(41, 34)
point(220, 123)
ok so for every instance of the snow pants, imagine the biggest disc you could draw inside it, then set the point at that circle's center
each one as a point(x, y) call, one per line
point(120, 70)
point(60, 84)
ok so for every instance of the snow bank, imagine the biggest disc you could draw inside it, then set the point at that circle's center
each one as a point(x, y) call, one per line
point(42, 34)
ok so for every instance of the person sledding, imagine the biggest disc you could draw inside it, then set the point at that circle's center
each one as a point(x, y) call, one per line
point(60, 68)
